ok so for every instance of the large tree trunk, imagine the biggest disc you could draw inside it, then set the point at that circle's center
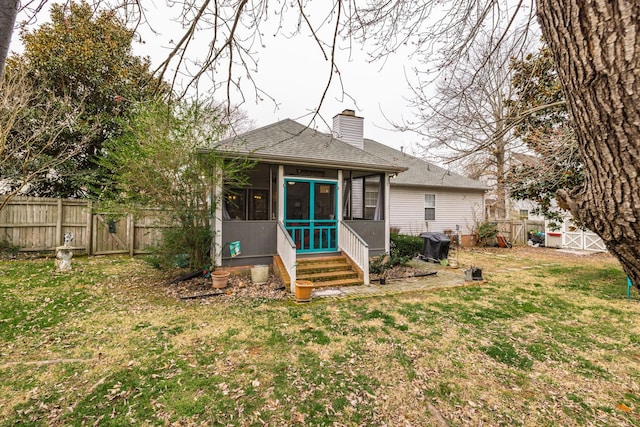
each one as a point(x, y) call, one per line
point(596, 46)
point(8, 13)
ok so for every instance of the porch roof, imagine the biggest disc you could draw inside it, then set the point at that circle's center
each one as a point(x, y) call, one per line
point(289, 142)
point(420, 172)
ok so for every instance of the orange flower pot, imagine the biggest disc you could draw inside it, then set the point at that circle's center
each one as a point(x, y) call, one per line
point(303, 290)
point(220, 279)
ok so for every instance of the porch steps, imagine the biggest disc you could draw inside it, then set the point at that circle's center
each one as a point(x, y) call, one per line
point(327, 271)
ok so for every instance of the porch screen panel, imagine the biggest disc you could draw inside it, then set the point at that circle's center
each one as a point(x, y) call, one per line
point(324, 234)
point(298, 210)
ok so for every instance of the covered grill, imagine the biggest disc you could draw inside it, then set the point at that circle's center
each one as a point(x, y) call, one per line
point(436, 246)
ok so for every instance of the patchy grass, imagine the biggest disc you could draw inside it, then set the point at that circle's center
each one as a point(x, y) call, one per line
point(550, 340)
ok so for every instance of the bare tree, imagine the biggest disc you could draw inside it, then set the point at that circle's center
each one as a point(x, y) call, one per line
point(26, 155)
point(596, 48)
point(466, 121)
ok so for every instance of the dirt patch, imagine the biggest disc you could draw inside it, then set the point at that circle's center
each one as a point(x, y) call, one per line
point(239, 288)
point(400, 271)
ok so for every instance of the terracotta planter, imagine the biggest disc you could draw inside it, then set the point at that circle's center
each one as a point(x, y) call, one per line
point(303, 290)
point(466, 240)
point(220, 279)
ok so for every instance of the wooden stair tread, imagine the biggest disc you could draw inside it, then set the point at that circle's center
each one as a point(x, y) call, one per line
point(338, 283)
point(321, 260)
point(323, 267)
point(326, 271)
point(322, 276)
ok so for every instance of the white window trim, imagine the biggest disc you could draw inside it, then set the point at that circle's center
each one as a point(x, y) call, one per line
point(429, 204)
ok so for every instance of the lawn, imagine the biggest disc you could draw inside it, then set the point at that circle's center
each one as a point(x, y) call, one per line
point(549, 339)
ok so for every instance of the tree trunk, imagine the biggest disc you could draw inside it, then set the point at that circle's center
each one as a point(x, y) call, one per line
point(596, 47)
point(8, 13)
point(501, 180)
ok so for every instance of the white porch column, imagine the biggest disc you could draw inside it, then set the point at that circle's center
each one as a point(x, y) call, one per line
point(387, 213)
point(281, 193)
point(216, 222)
point(340, 196)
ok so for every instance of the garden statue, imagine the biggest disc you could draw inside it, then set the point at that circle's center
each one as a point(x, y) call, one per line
point(65, 253)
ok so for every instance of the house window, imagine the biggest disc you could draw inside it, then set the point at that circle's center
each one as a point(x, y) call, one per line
point(524, 214)
point(235, 206)
point(429, 207)
point(243, 204)
point(370, 201)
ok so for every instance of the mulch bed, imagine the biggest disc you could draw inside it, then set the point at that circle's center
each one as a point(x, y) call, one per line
point(239, 288)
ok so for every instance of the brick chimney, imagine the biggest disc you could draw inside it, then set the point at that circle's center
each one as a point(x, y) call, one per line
point(349, 128)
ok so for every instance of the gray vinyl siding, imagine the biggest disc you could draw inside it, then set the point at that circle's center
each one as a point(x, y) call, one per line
point(453, 207)
point(357, 199)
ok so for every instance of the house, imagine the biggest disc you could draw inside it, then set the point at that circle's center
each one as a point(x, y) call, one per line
point(304, 196)
point(317, 193)
point(429, 198)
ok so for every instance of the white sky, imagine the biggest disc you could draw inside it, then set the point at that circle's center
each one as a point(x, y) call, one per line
point(293, 72)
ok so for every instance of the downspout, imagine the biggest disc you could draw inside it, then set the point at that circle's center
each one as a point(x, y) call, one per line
point(387, 213)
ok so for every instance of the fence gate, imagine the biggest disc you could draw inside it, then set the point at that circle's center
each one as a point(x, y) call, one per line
point(518, 234)
point(112, 236)
point(575, 238)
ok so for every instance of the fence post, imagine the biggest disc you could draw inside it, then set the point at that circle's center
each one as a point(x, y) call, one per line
point(89, 226)
point(59, 238)
point(131, 230)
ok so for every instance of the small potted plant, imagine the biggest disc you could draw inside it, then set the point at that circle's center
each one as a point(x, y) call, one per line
point(219, 278)
point(473, 273)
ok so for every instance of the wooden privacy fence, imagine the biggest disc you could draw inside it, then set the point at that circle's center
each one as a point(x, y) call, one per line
point(39, 224)
point(517, 231)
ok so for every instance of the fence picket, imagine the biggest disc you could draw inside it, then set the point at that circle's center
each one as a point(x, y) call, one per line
point(38, 224)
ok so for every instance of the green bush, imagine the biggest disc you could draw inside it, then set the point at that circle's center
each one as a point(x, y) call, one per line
point(404, 246)
point(485, 232)
point(186, 245)
point(377, 264)
point(382, 263)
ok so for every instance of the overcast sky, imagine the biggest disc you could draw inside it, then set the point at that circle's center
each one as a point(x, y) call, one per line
point(294, 73)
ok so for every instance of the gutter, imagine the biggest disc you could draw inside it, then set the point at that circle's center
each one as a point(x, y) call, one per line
point(310, 162)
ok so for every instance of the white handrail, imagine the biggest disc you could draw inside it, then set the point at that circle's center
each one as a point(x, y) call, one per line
point(287, 253)
point(355, 248)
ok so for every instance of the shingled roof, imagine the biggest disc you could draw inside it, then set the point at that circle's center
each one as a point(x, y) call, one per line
point(289, 142)
point(420, 172)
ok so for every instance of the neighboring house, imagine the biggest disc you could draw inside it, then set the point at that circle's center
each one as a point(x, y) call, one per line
point(429, 198)
point(304, 196)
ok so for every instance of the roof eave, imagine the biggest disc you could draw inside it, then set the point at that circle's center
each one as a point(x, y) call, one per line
point(463, 187)
point(297, 161)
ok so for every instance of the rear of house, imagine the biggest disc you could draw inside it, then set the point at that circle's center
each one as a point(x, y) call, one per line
point(303, 197)
point(427, 197)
